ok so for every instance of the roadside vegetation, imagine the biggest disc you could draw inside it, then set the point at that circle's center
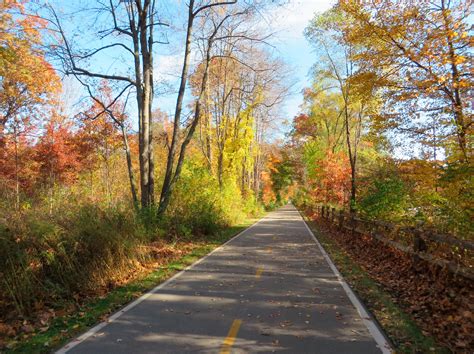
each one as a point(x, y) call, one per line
point(102, 194)
point(385, 136)
point(100, 185)
point(53, 326)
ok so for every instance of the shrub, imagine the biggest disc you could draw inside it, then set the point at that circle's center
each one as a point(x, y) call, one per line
point(194, 207)
point(45, 259)
point(386, 199)
point(199, 206)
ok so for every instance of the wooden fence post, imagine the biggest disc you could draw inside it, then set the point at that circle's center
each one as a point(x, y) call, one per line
point(419, 245)
point(353, 224)
point(341, 219)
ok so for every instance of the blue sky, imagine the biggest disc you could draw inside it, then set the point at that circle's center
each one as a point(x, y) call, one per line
point(293, 47)
point(287, 22)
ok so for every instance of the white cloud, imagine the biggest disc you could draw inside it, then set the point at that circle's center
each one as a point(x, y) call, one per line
point(291, 20)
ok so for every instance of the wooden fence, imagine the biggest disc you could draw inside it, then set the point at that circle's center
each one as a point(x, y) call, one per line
point(448, 252)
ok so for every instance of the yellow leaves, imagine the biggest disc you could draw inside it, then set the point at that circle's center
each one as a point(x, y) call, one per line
point(459, 59)
point(28, 79)
point(442, 79)
point(452, 34)
point(464, 84)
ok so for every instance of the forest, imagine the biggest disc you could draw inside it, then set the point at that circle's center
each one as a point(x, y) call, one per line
point(101, 182)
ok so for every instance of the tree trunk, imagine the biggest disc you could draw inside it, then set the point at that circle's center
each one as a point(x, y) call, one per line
point(131, 177)
point(146, 109)
point(220, 167)
point(256, 177)
point(17, 178)
point(51, 191)
point(166, 189)
point(456, 96)
point(352, 160)
point(142, 156)
point(197, 114)
point(108, 187)
point(151, 158)
point(208, 133)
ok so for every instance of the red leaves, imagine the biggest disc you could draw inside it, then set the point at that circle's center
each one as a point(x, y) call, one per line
point(303, 125)
point(331, 178)
point(56, 153)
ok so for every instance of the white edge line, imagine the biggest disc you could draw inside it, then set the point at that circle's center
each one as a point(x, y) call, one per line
point(374, 330)
point(76, 341)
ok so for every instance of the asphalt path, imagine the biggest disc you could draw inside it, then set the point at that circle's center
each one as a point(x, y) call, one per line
point(272, 288)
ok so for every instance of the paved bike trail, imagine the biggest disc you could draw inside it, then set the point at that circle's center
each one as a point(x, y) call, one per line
point(270, 289)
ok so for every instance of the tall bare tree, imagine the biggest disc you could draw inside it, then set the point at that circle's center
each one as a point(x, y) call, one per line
point(173, 170)
point(130, 29)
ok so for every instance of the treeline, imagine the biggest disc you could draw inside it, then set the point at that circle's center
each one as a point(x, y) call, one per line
point(82, 192)
point(386, 126)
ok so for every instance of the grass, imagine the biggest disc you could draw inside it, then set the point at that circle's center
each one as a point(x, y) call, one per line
point(402, 330)
point(63, 328)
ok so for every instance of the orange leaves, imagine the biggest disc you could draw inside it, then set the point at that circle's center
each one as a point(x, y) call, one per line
point(423, 52)
point(27, 78)
point(332, 178)
point(268, 195)
point(56, 152)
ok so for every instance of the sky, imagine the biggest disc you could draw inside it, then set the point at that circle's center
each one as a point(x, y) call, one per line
point(287, 22)
point(293, 46)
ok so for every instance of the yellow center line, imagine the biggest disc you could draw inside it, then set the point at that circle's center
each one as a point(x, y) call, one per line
point(259, 272)
point(230, 339)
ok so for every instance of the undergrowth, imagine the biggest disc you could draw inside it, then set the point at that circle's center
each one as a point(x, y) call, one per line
point(86, 313)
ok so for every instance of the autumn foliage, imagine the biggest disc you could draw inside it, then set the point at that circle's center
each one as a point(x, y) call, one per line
point(385, 131)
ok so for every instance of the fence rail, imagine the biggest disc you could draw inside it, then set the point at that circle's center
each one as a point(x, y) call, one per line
point(448, 252)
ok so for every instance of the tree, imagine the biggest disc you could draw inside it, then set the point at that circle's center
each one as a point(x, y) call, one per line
point(336, 70)
point(28, 80)
point(132, 30)
point(318, 145)
point(212, 28)
point(420, 55)
point(56, 155)
point(245, 84)
point(281, 174)
point(28, 84)
point(17, 166)
point(103, 119)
